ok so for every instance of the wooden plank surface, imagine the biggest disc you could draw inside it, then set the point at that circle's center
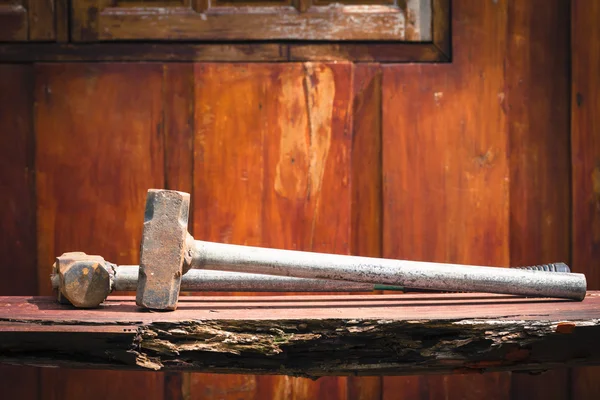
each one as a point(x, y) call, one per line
point(585, 147)
point(277, 174)
point(121, 310)
point(308, 335)
point(99, 148)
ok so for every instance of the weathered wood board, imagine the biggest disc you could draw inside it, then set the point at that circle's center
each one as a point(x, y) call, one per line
point(307, 336)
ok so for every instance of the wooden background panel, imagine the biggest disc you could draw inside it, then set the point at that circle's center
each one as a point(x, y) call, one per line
point(99, 148)
point(537, 103)
point(366, 188)
point(585, 134)
point(272, 168)
point(17, 210)
point(446, 171)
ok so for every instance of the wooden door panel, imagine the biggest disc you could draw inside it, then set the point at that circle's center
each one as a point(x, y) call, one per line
point(272, 168)
point(99, 147)
point(585, 153)
point(23, 20)
point(445, 169)
point(219, 20)
point(17, 213)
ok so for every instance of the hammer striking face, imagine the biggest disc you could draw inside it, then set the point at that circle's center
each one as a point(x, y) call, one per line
point(163, 249)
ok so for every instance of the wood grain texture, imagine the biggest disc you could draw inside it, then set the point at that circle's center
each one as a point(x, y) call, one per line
point(178, 130)
point(178, 126)
point(366, 187)
point(62, 15)
point(165, 52)
point(445, 167)
point(537, 105)
point(366, 52)
point(99, 148)
point(256, 25)
point(585, 150)
point(17, 213)
point(101, 20)
point(272, 168)
point(41, 20)
point(17, 183)
point(13, 22)
point(220, 52)
point(466, 334)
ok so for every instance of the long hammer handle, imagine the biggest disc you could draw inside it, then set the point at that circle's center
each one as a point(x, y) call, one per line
point(412, 274)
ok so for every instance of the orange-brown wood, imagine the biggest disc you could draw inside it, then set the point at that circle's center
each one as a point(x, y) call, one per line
point(62, 13)
point(585, 143)
point(381, 52)
point(130, 52)
point(99, 148)
point(537, 106)
point(25, 20)
point(178, 130)
point(178, 126)
point(42, 22)
point(463, 334)
point(17, 213)
point(366, 187)
point(445, 166)
point(272, 168)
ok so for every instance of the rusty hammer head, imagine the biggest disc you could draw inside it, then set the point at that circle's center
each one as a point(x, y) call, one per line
point(164, 253)
point(82, 280)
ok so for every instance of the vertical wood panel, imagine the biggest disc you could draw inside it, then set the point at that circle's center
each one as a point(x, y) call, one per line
point(585, 133)
point(17, 210)
point(366, 187)
point(17, 213)
point(41, 20)
point(537, 102)
point(272, 168)
point(446, 170)
point(99, 148)
point(178, 127)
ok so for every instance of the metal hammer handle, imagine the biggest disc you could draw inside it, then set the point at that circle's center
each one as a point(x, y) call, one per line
point(413, 274)
point(126, 279)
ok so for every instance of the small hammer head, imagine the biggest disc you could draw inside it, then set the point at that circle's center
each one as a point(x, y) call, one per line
point(82, 280)
point(163, 249)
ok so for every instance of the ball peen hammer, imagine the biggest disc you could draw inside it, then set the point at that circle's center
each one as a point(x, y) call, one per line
point(168, 251)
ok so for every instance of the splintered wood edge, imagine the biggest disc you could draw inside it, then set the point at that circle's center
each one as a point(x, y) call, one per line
point(308, 336)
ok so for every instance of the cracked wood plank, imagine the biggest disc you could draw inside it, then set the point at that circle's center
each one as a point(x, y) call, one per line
point(308, 336)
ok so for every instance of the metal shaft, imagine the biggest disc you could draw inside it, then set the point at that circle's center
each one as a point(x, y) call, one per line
point(126, 279)
point(413, 274)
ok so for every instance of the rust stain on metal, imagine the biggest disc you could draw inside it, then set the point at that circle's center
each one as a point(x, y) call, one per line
point(83, 280)
point(163, 249)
